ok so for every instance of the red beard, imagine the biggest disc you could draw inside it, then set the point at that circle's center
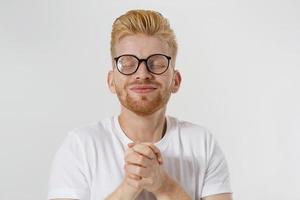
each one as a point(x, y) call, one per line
point(143, 105)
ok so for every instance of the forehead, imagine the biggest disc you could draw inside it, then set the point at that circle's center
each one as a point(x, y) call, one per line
point(141, 45)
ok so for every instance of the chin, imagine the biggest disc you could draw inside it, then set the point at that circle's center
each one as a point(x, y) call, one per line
point(144, 105)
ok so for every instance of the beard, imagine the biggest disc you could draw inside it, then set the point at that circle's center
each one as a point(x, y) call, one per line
point(142, 105)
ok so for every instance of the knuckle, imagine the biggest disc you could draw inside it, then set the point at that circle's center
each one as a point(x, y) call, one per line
point(128, 154)
point(127, 158)
point(149, 152)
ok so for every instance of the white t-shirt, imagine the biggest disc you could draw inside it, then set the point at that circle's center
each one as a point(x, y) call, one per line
point(89, 163)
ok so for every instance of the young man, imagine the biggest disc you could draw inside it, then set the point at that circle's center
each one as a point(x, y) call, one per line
point(142, 153)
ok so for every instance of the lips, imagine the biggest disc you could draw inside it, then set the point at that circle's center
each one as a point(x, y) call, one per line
point(142, 88)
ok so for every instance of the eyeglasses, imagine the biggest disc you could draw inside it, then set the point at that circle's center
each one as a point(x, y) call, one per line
point(156, 64)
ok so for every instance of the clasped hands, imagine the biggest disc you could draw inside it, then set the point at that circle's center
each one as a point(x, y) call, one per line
point(143, 167)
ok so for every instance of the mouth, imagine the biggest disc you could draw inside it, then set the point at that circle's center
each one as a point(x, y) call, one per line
point(142, 89)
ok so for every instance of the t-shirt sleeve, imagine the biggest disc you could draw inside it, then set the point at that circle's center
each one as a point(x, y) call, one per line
point(69, 173)
point(216, 180)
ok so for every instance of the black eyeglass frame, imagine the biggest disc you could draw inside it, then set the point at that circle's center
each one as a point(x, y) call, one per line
point(143, 60)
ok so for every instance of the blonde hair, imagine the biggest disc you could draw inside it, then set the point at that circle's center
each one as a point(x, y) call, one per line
point(147, 22)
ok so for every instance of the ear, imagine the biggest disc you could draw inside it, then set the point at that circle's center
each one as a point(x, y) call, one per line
point(111, 82)
point(176, 81)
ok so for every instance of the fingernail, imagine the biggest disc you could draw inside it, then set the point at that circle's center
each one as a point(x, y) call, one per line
point(130, 144)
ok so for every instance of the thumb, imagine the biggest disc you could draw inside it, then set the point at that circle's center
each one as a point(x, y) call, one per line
point(130, 144)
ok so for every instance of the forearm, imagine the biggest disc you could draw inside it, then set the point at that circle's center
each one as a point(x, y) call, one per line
point(124, 192)
point(171, 190)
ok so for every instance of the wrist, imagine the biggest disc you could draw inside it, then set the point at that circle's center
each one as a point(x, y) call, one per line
point(128, 192)
point(171, 190)
point(167, 187)
point(124, 192)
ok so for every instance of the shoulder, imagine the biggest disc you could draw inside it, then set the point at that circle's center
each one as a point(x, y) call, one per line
point(94, 131)
point(192, 135)
point(190, 130)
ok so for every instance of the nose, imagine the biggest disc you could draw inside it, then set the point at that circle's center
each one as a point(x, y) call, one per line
point(142, 72)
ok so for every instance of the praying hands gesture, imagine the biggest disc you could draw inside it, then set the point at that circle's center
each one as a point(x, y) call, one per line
point(144, 171)
point(143, 167)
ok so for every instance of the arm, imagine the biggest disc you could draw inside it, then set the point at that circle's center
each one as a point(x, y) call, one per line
point(225, 196)
point(171, 190)
point(124, 192)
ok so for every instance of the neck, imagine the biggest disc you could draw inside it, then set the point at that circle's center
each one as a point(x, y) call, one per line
point(150, 128)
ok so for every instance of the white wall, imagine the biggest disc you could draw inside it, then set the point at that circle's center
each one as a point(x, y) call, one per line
point(240, 62)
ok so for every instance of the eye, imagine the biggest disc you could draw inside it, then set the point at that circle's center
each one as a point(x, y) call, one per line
point(127, 64)
point(127, 61)
point(158, 62)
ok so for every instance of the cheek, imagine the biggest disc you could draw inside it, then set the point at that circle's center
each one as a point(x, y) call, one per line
point(166, 85)
point(169, 80)
point(120, 83)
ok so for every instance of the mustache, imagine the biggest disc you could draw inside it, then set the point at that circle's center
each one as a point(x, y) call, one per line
point(143, 82)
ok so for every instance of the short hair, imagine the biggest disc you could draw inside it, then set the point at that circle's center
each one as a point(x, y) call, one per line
point(147, 22)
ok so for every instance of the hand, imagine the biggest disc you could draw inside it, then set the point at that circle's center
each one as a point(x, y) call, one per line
point(143, 167)
point(125, 186)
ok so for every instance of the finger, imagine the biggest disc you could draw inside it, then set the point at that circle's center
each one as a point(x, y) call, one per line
point(128, 152)
point(133, 176)
point(134, 183)
point(146, 181)
point(144, 150)
point(130, 144)
point(137, 170)
point(156, 151)
point(137, 159)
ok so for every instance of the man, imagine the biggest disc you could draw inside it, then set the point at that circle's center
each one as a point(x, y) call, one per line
point(142, 153)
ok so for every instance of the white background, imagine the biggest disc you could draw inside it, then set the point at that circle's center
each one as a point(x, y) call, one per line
point(240, 62)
